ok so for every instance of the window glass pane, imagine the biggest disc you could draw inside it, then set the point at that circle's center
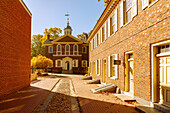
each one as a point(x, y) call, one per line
point(59, 63)
point(163, 49)
point(59, 47)
point(67, 47)
point(75, 47)
point(167, 48)
point(51, 49)
point(159, 49)
point(128, 17)
point(128, 4)
point(84, 49)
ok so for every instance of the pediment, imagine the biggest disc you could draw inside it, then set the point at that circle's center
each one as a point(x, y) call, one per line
point(67, 38)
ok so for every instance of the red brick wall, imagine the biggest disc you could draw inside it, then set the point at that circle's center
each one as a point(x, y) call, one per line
point(149, 26)
point(15, 50)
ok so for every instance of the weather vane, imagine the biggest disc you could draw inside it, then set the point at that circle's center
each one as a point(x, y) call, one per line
point(67, 15)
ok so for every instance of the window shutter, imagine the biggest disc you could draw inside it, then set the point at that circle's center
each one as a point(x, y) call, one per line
point(145, 3)
point(61, 65)
point(115, 20)
point(116, 70)
point(101, 35)
point(105, 30)
point(99, 66)
point(76, 63)
point(134, 8)
point(121, 14)
point(96, 67)
point(56, 63)
point(108, 66)
point(109, 27)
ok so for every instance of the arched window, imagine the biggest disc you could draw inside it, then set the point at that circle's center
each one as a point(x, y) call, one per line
point(84, 50)
point(75, 49)
point(67, 49)
point(59, 50)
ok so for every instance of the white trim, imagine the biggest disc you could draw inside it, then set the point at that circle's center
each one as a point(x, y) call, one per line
point(121, 14)
point(108, 66)
point(144, 5)
point(99, 67)
point(74, 49)
point(96, 67)
point(49, 49)
point(152, 3)
point(56, 63)
point(65, 49)
point(25, 7)
point(108, 27)
point(116, 67)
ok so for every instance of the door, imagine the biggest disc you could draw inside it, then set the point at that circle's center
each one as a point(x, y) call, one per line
point(68, 65)
point(164, 80)
point(104, 71)
point(94, 70)
point(131, 74)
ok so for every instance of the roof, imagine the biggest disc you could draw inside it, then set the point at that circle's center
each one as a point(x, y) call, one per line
point(25, 7)
point(67, 27)
point(48, 41)
point(111, 5)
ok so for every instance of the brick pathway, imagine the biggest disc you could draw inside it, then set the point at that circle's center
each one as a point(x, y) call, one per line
point(101, 102)
point(27, 99)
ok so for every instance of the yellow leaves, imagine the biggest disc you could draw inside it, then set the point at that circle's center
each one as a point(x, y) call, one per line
point(41, 62)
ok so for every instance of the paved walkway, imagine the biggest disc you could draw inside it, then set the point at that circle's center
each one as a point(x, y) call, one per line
point(101, 102)
point(58, 94)
point(27, 99)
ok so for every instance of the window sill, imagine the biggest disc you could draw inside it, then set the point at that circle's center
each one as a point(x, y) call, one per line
point(127, 23)
point(152, 3)
point(98, 74)
point(114, 78)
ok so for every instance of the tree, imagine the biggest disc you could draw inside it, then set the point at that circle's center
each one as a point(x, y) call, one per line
point(37, 45)
point(53, 32)
point(83, 36)
point(41, 62)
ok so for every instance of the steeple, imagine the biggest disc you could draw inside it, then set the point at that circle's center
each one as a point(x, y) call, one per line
point(67, 29)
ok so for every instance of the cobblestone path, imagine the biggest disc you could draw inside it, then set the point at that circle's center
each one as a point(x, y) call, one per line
point(61, 100)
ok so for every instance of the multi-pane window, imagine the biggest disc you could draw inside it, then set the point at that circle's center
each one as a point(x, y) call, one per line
point(97, 41)
point(164, 48)
point(112, 24)
point(103, 34)
point(75, 49)
point(67, 49)
point(84, 50)
point(58, 63)
point(84, 63)
point(128, 11)
point(59, 49)
point(50, 49)
point(98, 66)
point(113, 73)
point(75, 63)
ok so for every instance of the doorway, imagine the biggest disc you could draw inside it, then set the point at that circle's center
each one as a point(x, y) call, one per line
point(129, 74)
point(67, 65)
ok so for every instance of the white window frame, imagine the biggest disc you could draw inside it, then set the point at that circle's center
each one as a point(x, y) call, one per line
point(113, 23)
point(49, 49)
point(56, 63)
point(85, 49)
point(116, 67)
point(66, 49)
point(98, 74)
point(75, 60)
point(60, 49)
point(85, 63)
point(74, 51)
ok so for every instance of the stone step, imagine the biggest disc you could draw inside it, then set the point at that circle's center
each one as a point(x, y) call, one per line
point(162, 107)
point(95, 81)
point(109, 88)
point(87, 78)
point(124, 97)
point(146, 109)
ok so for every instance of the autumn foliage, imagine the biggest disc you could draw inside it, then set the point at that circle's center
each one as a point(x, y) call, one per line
point(41, 62)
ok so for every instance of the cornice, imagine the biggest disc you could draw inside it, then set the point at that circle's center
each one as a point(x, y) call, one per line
point(25, 7)
point(108, 10)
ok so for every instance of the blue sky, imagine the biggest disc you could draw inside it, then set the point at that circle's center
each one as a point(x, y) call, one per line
point(51, 13)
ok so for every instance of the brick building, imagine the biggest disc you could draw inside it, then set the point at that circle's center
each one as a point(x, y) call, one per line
point(69, 54)
point(137, 33)
point(15, 46)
